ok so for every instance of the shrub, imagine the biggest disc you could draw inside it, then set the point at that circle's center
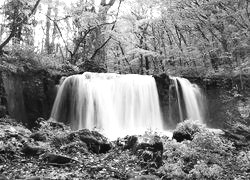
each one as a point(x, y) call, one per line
point(203, 171)
point(187, 129)
point(26, 56)
point(243, 160)
point(173, 171)
point(207, 140)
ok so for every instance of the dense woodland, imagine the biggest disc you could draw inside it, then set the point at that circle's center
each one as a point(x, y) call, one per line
point(130, 36)
point(191, 38)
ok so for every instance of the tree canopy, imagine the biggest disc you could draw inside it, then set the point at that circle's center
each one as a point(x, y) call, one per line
point(132, 36)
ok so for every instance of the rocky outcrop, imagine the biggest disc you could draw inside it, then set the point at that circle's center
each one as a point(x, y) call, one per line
point(48, 138)
point(163, 84)
point(27, 96)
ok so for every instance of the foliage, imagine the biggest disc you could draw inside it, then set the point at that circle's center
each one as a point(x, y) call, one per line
point(210, 141)
point(243, 160)
point(195, 38)
point(25, 57)
point(203, 171)
point(190, 127)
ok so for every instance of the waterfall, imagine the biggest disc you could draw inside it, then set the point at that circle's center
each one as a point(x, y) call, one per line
point(190, 100)
point(117, 104)
point(120, 105)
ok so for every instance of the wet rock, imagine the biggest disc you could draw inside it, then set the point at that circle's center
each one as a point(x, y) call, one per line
point(130, 142)
point(96, 142)
point(56, 159)
point(32, 150)
point(38, 136)
point(180, 136)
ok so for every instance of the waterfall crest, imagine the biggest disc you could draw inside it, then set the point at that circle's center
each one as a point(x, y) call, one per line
point(117, 104)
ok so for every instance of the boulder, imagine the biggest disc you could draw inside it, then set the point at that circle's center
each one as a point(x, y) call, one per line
point(30, 149)
point(38, 136)
point(149, 149)
point(56, 159)
point(130, 142)
point(180, 136)
point(95, 142)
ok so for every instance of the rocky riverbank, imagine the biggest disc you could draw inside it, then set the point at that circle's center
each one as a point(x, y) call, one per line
point(52, 151)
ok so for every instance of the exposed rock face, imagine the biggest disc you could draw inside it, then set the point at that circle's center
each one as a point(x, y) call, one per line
point(163, 83)
point(27, 96)
point(3, 99)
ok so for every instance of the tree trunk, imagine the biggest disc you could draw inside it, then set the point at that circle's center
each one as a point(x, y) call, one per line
point(100, 53)
point(48, 25)
point(54, 33)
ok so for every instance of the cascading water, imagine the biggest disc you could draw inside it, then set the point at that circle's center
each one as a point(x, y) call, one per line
point(190, 100)
point(122, 105)
point(117, 104)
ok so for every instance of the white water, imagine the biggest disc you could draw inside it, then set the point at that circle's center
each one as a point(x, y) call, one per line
point(118, 105)
point(193, 99)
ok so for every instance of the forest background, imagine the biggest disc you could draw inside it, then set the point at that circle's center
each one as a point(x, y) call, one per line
point(195, 37)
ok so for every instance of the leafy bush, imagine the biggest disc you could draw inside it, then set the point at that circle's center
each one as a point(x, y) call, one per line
point(23, 51)
point(189, 127)
point(27, 56)
point(54, 130)
point(243, 160)
point(207, 140)
point(203, 171)
point(179, 159)
point(173, 171)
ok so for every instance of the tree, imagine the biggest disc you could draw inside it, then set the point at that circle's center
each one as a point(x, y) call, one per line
point(18, 13)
